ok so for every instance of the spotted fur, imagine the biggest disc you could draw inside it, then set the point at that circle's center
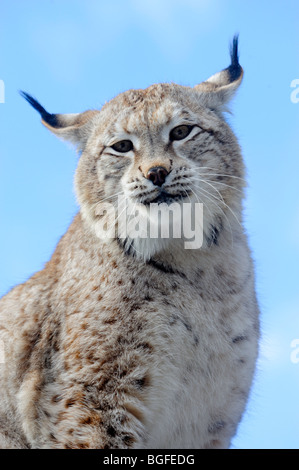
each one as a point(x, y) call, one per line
point(138, 343)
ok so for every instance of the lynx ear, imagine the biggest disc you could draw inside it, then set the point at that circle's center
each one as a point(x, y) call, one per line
point(70, 127)
point(219, 88)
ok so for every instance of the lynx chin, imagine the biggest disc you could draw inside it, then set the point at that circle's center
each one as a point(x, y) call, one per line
point(138, 342)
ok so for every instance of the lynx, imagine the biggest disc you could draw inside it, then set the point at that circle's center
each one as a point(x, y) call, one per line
point(138, 342)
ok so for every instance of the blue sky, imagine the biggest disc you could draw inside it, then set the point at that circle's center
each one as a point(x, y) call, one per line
point(74, 55)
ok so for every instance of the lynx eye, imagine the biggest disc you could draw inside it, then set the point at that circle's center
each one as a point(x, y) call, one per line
point(180, 132)
point(123, 146)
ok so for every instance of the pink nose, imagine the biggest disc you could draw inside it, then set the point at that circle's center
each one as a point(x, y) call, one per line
point(157, 175)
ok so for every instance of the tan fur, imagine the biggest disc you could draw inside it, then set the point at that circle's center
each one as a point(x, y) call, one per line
point(138, 343)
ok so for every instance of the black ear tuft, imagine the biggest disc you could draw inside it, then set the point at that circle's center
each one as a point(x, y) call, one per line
point(235, 68)
point(50, 119)
point(234, 51)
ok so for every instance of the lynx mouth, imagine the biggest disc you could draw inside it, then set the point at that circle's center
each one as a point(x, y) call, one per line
point(165, 197)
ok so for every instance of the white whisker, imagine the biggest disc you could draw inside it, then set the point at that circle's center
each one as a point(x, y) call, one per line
point(219, 208)
point(205, 205)
point(227, 175)
point(111, 196)
point(216, 182)
point(223, 202)
point(208, 195)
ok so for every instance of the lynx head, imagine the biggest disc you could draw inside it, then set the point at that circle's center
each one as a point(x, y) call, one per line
point(162, 145)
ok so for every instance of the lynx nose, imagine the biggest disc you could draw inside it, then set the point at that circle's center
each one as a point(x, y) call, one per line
point(157, 175)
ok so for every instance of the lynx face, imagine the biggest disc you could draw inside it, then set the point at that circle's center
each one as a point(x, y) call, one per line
point(162, 145)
